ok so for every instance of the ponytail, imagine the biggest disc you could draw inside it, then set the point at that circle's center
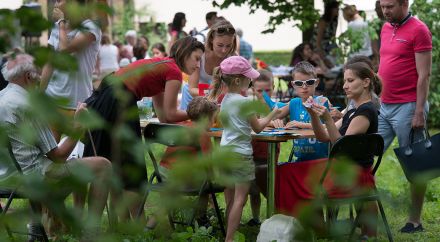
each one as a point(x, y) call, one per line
point(218, 79)
point(216, 84)
point(377, 84)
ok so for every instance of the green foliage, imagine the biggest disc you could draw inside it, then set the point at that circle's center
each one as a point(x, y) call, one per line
point(59, 60)
point(348, 43)
point(428, 12)
point(32, 21)
point(274, 58)
point(155, 32)
point(197, 234)
point(127, 14)
point(301, 12)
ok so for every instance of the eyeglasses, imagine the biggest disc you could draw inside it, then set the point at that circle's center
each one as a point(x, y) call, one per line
point(227, 30)
point(308, 83)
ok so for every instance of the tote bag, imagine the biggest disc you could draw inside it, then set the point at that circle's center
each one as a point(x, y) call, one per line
point(420, 160)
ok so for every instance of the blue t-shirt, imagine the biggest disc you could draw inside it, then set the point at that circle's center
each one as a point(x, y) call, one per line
point(306, 149)
point(186, 97)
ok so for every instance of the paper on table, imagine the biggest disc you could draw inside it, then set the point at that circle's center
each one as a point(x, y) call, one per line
point(276, 133)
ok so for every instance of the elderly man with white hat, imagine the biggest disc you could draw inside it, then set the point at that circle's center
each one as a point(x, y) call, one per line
point(130, 38)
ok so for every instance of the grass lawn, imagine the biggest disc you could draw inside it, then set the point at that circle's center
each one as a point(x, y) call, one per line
point(390, 181)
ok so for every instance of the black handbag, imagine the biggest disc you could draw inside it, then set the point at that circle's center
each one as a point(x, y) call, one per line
point(420, 160)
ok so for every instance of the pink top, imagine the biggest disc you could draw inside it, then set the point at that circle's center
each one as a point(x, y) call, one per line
point(397, 67)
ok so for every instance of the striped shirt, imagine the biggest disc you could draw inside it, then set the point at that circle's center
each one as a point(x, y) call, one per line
point(30, 155)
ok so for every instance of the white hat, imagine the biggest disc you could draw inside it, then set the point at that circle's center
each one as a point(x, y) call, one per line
point(131, 32)
point(124, 62)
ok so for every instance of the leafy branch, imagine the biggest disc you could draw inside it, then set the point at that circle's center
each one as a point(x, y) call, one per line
point(301, 12)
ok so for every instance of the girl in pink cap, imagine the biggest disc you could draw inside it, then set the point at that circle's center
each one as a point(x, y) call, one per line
point(236, 73)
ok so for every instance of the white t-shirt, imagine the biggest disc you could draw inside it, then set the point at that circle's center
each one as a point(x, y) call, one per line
point(108, 58)
point(362, 26)
point(75, 85)
point(237, 132)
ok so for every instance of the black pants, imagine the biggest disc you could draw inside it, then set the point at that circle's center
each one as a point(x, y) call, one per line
point(128, 165)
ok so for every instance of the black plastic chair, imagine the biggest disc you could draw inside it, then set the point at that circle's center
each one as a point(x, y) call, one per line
point(177, 136)
point(9, 167)
point(354, 148)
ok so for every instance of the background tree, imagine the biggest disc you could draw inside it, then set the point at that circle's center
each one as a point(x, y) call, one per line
point(301, 12)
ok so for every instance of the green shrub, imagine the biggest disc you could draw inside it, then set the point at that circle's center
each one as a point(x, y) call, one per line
point(428, 11)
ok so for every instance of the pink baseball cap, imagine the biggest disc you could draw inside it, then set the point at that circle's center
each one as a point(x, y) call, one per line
point(235, 65)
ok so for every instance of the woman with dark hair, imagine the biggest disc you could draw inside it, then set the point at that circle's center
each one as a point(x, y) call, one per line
point(359, 86)
point(325, 32)
point(304, 52)
point(176, 31)
point(158, 50)
point(144, 42)
point(159, 78)
point(139, 52)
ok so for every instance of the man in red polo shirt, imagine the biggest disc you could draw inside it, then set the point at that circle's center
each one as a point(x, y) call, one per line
point(405, 67)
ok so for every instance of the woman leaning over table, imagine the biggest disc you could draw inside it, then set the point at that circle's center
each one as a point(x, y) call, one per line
point(359, 83)
point(160, 78)
point(220, 44)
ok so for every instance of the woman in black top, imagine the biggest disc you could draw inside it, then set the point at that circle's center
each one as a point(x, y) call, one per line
point(359, 83)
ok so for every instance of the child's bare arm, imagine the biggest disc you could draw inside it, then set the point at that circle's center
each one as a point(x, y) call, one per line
point(298, 124)
point(284, 111)
point(258, 125)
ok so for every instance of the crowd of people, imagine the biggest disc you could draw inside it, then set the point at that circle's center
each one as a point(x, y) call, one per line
point(111, 78)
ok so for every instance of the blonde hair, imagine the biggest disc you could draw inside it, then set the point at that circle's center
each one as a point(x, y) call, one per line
point(218, 78)
point(214, 31)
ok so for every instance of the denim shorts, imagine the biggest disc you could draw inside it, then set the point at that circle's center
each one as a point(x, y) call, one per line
point(395, 120)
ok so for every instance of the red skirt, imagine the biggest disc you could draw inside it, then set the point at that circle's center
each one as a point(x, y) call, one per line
point(296, 183)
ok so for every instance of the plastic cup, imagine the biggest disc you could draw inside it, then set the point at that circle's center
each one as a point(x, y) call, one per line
point(145, 107)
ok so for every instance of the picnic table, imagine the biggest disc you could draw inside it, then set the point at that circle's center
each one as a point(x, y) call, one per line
point(272, 137)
